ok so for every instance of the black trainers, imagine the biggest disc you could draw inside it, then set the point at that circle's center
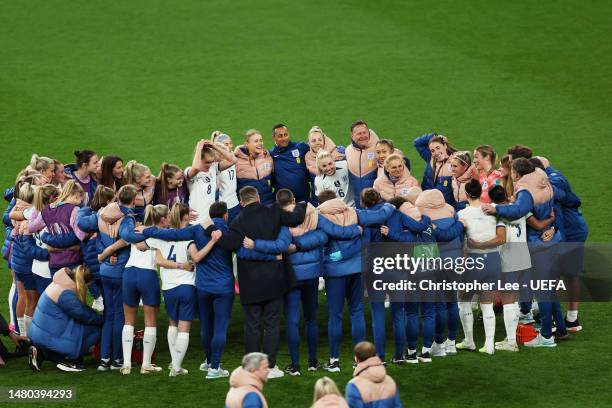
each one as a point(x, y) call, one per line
point(34, 358)
point(116, 365)
point(314, 365)
point(425, 358)
point(293, 369)
point(561, 335)
point(573, 326)
point(104, 365)
point(69, 366)
point(411, 358)
point(332, 367)
point(398, 360)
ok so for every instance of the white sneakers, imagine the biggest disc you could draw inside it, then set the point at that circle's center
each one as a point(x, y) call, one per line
point(438, 349)
point(449, 346)
point(216, 373)
point(504, 345)
point(176, 373)
point(466, 346)
point(275, 373)
point(541, 341)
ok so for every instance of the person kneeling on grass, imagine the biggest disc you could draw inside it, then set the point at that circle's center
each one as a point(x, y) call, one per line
point(326, 395)
point(247, 382)
point(64, 327)
point(371, 387)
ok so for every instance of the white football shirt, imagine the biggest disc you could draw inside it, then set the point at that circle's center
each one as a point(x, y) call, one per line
point(338, 183)
point(202, 190)
point(176, 251)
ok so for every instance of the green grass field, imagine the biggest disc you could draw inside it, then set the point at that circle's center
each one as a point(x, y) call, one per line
point(147, 79)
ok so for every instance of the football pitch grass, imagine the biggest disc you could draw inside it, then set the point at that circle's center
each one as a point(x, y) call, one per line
point(145, 80)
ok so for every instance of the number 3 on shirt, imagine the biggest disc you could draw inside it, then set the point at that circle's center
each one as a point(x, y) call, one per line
point(171, 255)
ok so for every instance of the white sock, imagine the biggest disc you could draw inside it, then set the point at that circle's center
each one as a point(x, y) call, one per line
point(425, 350)
point(411, 351)
point(572, 316)
point(181, 345)
point(10, 302)
point(333, 360)
point(488, 318)
point(467, 321)
point(22, 326)
point(148, 345)
point(127, 340)
point(27, 321)
point(172, 333)
point(511, 319)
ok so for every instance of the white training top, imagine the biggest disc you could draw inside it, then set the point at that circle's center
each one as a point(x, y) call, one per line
point(175, 251)
point(338, 183)
point(515, 252)
point(40, 268)
point(202, 191)
point(480, 227)
point(141, 259)
point(228, 186)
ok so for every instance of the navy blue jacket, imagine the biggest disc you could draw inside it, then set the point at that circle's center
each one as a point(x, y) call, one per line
point(574, 226)
point(290, 170)
point(442, 183)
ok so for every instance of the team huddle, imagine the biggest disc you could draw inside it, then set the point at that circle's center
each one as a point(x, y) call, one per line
point(276, 227)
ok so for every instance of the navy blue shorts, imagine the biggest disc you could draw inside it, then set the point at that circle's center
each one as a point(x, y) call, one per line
point(27, 279)
point(181, 302)
point(41, 283)
point(140, 283)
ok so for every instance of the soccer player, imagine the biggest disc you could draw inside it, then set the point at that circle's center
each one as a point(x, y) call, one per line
point(484, 235)
point(462, 172)
point(208, 160)
point(84, 171)
point(488, 175)
point(228, 183)
point(395, 180)
point(139, 176)
point(436, 151)
point(112, 172)
point(319, 141)
point(254, 166)
point(334, 176)
point(170, 186)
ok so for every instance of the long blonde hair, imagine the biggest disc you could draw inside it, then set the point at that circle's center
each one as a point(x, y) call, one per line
point(70, 188)
point(154, 214)
point(177, 213)
point(41, 163)
point(324, 386)
point(82, 277)
point(44, 195)
point(134, 170)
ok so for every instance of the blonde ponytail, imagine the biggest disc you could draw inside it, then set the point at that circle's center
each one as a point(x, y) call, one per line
point(133, 171)
point(154, 214)
point(177, 213)
point(40, 163)
point(44, 195)
point(70, 188)
point(81, 276)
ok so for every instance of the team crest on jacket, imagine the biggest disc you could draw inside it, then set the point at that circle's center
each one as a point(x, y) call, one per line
point(266, 166)
point(371, 155)
point(295, 153)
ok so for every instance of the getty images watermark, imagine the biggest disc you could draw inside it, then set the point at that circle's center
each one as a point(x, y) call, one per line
point(434, 272)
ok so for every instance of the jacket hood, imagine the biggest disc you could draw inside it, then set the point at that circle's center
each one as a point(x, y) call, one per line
point(241, 152)
point(431, 203)
point(330, 401)
point(61, 278)
point(338, 212)
point(537, 184)
point(413, 194)
point(544, 161)
point(371, 369)
point(410, 210)
point(108, 218)
point(240, 377)
point(309, 224)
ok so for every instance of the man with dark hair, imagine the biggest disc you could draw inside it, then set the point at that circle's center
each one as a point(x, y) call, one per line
point(325, 195)
point(262, 283)
point(217, 209)
point(290, 169)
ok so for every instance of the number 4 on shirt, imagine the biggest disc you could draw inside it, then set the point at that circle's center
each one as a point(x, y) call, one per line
point(171, 255)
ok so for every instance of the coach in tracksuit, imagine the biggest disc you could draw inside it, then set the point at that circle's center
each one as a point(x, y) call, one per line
point(290, 169)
